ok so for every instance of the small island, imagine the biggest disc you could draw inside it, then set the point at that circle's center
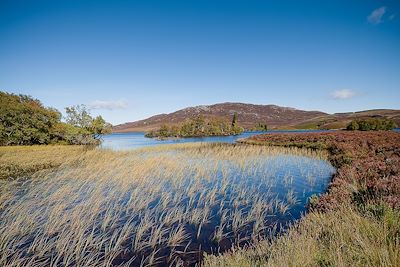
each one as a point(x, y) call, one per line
point(198, 127)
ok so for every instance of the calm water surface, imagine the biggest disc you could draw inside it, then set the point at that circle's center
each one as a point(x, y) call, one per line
point(123, 141)
point(229, 190)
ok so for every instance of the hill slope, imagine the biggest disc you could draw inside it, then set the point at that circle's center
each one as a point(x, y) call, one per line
point(341, 120)
point(249, 115)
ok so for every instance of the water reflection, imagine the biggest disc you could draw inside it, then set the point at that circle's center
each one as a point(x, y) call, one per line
point(123, 141)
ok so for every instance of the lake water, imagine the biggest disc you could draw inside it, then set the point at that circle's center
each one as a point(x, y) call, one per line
point(172, 203)
point(123, 141)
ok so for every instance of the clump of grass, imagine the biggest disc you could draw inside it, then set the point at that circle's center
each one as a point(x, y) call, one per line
point(345, 237)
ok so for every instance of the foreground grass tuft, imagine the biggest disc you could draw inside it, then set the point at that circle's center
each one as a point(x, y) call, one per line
point(344, 237)
point(356, 223)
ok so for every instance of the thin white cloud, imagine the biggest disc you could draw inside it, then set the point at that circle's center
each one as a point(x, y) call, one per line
point(392, 17)
point(109, 105)
point(343, 94)
point(376, 16)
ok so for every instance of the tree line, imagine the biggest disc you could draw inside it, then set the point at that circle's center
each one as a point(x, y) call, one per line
point(371, 124)
point(26, 121)
point(198, 127)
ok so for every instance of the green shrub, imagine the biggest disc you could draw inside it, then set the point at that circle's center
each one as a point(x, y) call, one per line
point(198, 126)
point(371, 125)
point(26, 121)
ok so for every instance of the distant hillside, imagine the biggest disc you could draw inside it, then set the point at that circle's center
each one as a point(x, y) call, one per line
point(249, 115)
point(341, 120)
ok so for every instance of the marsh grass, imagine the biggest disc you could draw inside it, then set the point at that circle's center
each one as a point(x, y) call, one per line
point(356, 223)
point(344, 237)
point(153, 206)
point(17, 161)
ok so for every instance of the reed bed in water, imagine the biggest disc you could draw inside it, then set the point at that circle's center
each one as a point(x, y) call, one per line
point(159, 205)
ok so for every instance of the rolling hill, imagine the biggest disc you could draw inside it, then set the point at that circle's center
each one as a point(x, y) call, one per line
point(249, 115)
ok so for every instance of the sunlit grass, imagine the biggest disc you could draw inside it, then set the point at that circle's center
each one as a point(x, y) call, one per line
point(345, 237)
point(163, 204)
point(16, 161)
point(357, 223)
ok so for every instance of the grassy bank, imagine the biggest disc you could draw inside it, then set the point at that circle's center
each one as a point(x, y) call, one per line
point(344, 237)
point(356, 223)
point(17, 161)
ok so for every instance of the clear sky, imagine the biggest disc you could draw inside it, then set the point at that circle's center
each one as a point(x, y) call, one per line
point(129, 60)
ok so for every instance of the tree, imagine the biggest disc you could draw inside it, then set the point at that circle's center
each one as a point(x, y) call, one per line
point(364, 125)
point(25, 121)
point(164, 131)
point(371, 124)
point(66, 133)
point(197, 126)
point(100, 127)
point(353, 126)
point(390, 125)
point(234, 119)
point(80, 117)
point(261, 127)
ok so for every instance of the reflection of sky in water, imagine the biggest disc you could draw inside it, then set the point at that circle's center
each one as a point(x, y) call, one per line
point(121, 141)
point(249, 188)
point(266, 178)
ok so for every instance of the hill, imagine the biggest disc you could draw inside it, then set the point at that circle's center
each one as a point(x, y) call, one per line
point(249, 115)
point(341, 120)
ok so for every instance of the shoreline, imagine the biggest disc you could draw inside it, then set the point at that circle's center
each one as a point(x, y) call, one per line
point(348, 150)
point(355, 223)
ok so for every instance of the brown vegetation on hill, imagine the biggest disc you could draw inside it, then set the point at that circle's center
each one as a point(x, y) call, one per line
point(249, 116)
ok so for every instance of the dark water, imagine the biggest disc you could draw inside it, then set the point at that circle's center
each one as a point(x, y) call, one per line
point(122, 141)
point(272, 179)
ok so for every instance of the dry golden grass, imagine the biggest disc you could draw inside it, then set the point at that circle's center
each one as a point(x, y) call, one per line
point(360, 225)
point(17, 161)
point(344, 237)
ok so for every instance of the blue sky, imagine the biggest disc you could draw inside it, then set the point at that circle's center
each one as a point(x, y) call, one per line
point(129, 60)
